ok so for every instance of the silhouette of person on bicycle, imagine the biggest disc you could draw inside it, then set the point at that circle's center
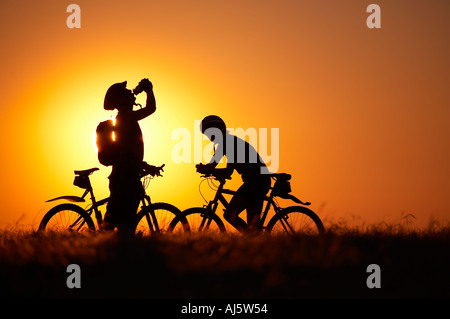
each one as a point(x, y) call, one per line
point(243, 158)
point(124, 182)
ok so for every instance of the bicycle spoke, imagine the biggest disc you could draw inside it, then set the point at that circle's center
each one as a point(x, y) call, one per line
point(201, 222)
point(296, 220)
point(66, 217)
point(156, 219)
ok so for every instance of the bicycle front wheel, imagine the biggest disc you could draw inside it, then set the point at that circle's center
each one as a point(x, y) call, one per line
point(200, 221)
point(157, 217)
point(295, 220)
point(66, 217)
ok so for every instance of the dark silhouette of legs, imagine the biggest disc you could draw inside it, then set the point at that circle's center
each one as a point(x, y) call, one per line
point(123, 202)
point(231, 215)
point(249, 196)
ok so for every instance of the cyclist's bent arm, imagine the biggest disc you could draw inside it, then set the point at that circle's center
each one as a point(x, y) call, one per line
point(149, 108)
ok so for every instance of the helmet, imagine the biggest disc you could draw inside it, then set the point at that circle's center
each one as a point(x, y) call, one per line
point(212, 121)
point(112, 95)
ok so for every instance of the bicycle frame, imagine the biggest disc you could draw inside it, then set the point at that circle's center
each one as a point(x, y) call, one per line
point(93, 208)
point(213, 205)
point(95, 205)
point(145, 202)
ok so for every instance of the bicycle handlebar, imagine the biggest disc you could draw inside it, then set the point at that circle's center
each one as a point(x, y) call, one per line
point(148, 169)
point(216, 176)
point(207, 171)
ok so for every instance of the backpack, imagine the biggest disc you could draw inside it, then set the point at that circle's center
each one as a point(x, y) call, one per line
point(106, 146)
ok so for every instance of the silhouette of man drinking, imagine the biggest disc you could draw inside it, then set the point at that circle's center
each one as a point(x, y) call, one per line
point(124, 182)
point(243, 158)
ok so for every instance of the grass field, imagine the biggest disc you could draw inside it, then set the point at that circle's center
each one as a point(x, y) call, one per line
point(414, 264)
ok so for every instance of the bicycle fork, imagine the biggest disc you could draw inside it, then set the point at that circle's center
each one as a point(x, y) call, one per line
point(284, 222)
point(206, 219)
point(154, 227)
point(150, 215)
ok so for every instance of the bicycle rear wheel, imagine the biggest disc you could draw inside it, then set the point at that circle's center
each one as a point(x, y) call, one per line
point(157, 217)
point(200, 221)
point(295, 220)
point(66, 217)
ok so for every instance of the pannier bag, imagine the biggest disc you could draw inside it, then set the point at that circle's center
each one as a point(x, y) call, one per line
point(282, 186)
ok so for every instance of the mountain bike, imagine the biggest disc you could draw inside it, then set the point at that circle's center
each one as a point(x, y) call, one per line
point(152, 217)
point(292, 219)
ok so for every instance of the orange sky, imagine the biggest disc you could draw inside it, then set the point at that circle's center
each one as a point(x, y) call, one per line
point(362, 113)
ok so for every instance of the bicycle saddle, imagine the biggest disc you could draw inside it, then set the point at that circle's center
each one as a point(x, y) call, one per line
point(281, 176)
point(86, 172)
